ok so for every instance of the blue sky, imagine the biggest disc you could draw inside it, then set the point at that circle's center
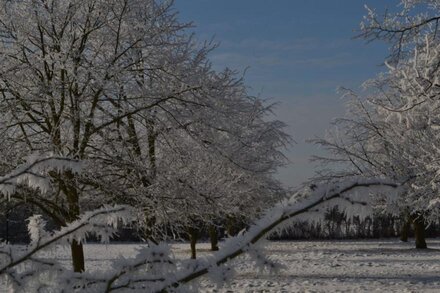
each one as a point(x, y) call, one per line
point(297, 53)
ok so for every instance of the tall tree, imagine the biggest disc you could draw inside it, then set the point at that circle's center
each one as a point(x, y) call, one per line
point(121, 86)
point(394, 132)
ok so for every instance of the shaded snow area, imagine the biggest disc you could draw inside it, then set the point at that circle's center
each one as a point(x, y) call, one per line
point(308, 266)
point(341, 266)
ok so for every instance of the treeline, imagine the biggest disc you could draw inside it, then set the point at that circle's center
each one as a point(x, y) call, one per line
point(337, 225)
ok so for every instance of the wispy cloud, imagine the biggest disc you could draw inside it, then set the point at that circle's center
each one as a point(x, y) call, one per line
point(298, 45)
point(241, 60)
point(335, 60)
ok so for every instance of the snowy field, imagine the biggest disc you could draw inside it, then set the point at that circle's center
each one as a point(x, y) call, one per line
point(311, 266)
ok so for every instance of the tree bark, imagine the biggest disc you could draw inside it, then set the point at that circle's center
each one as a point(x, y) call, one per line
point(230, 226)
point(213, 236)
point(419, 231)
point(77, 257)
point(404, 232)
point(70, 190)
point(193, 235)
point(152, 135)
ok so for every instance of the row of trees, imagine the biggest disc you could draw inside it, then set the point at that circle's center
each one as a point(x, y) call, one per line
point(122, 106)
point(395, 131)
point(122, 87)
point(154, 268)
point(335, 224)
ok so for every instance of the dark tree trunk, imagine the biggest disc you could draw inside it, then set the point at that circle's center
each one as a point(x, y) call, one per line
point(391, 230)
point(193, 235)
point(213, 236)
point(77, 257)
point(369, 233)
point(152, 135)
point(405, 230)
point(419, 231)
point(71, 192)
point(230, 227)
point(7, 225)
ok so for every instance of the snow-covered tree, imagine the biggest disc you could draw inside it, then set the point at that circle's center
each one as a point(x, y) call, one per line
point(121, 86)
point(153, 269)
point(394, 131)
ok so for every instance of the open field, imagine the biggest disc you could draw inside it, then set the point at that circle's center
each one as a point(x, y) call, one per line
point(344, 266)
point(311, 266)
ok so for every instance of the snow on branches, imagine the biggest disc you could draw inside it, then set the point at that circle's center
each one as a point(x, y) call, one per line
point(395, 130)
point(25, 270)
point(33, 172)
point(272, 219)
point(154, 269)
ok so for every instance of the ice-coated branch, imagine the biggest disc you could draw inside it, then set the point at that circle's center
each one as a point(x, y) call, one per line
point(153, 269)
point(274, 217)
point(157, 279)
point(32, 173)
point(402, 28)
point(103, 222)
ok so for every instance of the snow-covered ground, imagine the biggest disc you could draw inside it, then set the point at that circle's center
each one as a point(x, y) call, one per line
point(311, 266)
point(343, 266)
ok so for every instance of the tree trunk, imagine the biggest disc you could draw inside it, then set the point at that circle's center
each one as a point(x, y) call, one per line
point(369, 233)
point(69, 188)
point(193, 235)
point(230, 226)
point(213, 236)
point(419, 231)
point(77, 257)
point(391, 231)
point(7, 225)
point(404, 232)
point(152, 135)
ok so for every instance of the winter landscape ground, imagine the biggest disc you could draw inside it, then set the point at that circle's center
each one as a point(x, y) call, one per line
point(385, 265)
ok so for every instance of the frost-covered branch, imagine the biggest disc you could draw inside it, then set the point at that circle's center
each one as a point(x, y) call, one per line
point(32, 173)
point(153, 270)
point(102, 222)
point(273, 218)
